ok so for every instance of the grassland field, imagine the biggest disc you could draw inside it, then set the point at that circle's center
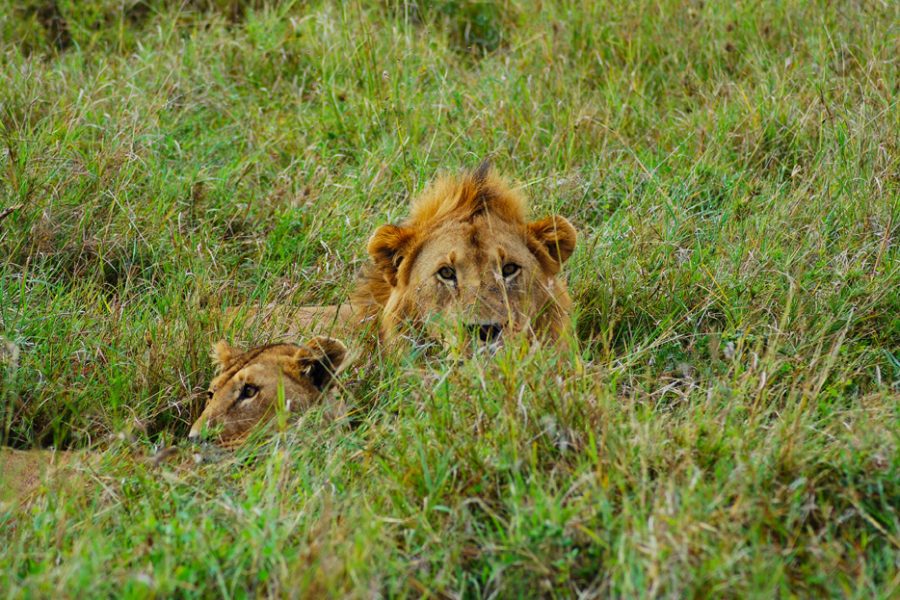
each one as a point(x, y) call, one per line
point(729, 425)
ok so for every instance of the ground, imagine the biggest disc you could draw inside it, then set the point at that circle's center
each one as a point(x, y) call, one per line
point(728, 427)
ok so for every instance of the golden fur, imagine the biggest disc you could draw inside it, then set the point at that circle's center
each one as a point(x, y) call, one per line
point(245, 390)
point(277, 322)
point(23, 471)
point(468, 261)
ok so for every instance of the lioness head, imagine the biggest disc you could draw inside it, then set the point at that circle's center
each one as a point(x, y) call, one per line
point(246, 387)
point(468, 261)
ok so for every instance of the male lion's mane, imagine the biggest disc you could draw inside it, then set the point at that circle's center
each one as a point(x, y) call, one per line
point(450, 197)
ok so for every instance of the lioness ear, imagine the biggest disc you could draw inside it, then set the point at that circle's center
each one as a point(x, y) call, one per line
point(556, 235)
point(387, 248)
point(222, 353)
point(319, 359)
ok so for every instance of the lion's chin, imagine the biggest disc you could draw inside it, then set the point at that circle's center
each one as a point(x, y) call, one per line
point(438, 341)
point(438, 345)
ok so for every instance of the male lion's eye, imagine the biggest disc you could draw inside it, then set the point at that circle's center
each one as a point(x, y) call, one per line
point(447, 273)
point(510, 269)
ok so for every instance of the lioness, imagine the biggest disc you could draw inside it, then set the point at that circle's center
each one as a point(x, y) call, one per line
point(246, 387)
point(468, 261)
point(243, 394)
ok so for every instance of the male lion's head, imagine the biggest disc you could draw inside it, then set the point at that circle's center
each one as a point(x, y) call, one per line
point(246, 388)
point(467, 261)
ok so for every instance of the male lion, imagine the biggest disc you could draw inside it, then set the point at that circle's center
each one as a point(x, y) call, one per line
point(246, 388)
point(468, 261)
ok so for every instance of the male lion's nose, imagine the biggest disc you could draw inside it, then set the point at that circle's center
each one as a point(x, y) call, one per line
point(487, 332)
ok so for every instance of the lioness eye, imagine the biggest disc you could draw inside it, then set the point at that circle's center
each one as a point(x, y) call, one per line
point(209, 394)
point(447, 273)
point(510, 269)
point(248, 391)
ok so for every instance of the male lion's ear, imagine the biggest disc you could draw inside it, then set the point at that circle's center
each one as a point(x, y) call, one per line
point(556, 235)
point(387, 248)
point(222, 353)
point(319, 359)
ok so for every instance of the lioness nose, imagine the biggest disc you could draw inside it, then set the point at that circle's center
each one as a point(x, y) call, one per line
point(487, 332)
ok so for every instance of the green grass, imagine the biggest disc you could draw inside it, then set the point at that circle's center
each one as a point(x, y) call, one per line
point(730, 428)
